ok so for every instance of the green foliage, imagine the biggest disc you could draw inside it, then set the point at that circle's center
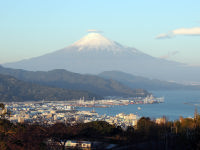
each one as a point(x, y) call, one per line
point(147, 128)
point(21, 137)
point(2, 106)
point(12, 89)
point(96, 129)
point(35, 137)
point(64, 79)
point(144, 123)
point(4, 112)
point(187, 123)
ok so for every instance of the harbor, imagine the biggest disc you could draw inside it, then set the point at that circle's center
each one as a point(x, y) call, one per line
point(110, 101)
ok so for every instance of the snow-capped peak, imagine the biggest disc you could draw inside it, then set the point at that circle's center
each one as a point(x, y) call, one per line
point(94, 41)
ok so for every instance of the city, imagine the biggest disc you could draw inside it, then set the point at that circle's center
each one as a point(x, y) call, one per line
point(99, 75)
point(49, 112)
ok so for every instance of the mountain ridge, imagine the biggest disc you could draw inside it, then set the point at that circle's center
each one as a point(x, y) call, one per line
point(145, 83)
point(61, 78)
point(94, 56)
point(14, 90)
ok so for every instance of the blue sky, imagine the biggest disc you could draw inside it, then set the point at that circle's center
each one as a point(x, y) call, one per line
point(32, 28)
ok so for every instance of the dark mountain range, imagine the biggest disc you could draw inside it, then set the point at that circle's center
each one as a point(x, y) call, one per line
point(145, 83)
point(74, 81)
point(12, 89)
point(94, 54)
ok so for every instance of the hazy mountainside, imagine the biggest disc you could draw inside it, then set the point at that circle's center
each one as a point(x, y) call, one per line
point(74, 81)
point(143, 82)
point(12, 89)
point(95, 54)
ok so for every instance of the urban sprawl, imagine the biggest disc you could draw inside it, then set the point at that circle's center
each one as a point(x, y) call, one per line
point(48, 113)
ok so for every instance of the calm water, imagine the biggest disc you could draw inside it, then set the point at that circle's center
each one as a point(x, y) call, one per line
point(173, 107)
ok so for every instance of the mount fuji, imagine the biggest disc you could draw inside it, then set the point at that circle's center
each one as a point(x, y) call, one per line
point(94, 54)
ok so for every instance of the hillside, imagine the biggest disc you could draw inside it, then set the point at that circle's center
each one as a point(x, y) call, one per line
point(145, 83)
point(74, 81)
point(12, 89)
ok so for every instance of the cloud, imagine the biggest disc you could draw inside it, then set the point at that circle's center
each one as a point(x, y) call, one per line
point(164, 36)
point(187, 31)
point(181, 31)
point(170, 54)
point(94, 30)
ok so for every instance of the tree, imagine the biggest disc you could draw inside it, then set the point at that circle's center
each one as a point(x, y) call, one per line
point(4, 112)
point(60, 133)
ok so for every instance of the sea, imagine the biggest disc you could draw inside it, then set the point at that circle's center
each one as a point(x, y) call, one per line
point(177, 103)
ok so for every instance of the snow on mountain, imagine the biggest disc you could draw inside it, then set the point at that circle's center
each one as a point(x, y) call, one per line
point(95, 41)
